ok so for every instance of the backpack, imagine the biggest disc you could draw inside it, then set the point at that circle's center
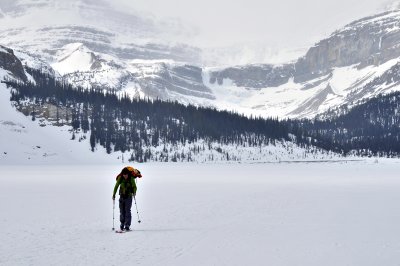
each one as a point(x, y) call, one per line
point(133, 172)
point(126, 187)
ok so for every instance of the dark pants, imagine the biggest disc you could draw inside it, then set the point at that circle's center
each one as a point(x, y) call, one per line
point(125, 216)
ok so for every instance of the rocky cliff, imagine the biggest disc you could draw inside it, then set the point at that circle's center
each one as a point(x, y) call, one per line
point(9, 62)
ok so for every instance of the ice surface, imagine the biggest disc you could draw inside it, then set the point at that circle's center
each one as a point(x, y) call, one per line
point(250, 214)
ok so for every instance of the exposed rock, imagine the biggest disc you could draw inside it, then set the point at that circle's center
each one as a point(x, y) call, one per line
point(313, 103)
point(372, 40)
point(254, 76)
point(369, 41)
point(170, 81)
point(10, 63)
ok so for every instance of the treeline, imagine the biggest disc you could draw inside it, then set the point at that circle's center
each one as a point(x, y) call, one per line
point(369, 129)
point(120, 123)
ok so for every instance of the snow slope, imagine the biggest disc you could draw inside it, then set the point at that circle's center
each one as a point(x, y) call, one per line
point(301, 99)
point(252, 214)
point(24, 141)
point(75, 58)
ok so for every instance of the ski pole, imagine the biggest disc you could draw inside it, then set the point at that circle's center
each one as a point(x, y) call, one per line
point(137, 210)
point(113, 213)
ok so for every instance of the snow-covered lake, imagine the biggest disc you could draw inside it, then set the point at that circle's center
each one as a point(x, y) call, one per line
point(210, 214)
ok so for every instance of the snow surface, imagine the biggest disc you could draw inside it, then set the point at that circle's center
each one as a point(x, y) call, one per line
point(250, 214)
point(73, 58)
point(24, 141)
point(34, 62)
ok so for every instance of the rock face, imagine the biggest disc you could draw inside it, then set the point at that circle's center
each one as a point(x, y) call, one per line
point(10, 63)
point(254, 76)
point(369, 41)
point(169, 82)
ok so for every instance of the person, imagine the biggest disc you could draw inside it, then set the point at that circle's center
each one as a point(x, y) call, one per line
point(127, 190)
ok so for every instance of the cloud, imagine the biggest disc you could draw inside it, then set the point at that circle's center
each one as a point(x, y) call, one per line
point(391, 5)
point(219, 23)
point(272, 23)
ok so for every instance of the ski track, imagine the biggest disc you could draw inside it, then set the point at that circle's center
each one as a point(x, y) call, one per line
point(239, 214)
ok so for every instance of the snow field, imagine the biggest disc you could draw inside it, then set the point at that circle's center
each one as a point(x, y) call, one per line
point(202, 214)
point(24, 141)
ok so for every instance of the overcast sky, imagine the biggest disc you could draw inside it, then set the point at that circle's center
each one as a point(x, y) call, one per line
point(275, 23)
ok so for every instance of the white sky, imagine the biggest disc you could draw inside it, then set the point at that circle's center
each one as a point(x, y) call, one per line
point(277, 23)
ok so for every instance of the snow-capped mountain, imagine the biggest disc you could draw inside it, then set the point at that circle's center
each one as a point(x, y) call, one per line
point(24, 141)
point(337, 70)
point(92, 44)
point(45, 26)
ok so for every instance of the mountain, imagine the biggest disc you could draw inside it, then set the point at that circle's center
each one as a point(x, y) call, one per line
point(335, 71)
point(45, 26)
point(24, 141)
point(93, 44)
point(90, 43)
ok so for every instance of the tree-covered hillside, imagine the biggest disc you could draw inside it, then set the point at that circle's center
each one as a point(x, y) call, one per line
point(120, 123)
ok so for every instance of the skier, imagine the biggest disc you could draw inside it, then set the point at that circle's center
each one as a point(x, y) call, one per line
point(127, 189)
